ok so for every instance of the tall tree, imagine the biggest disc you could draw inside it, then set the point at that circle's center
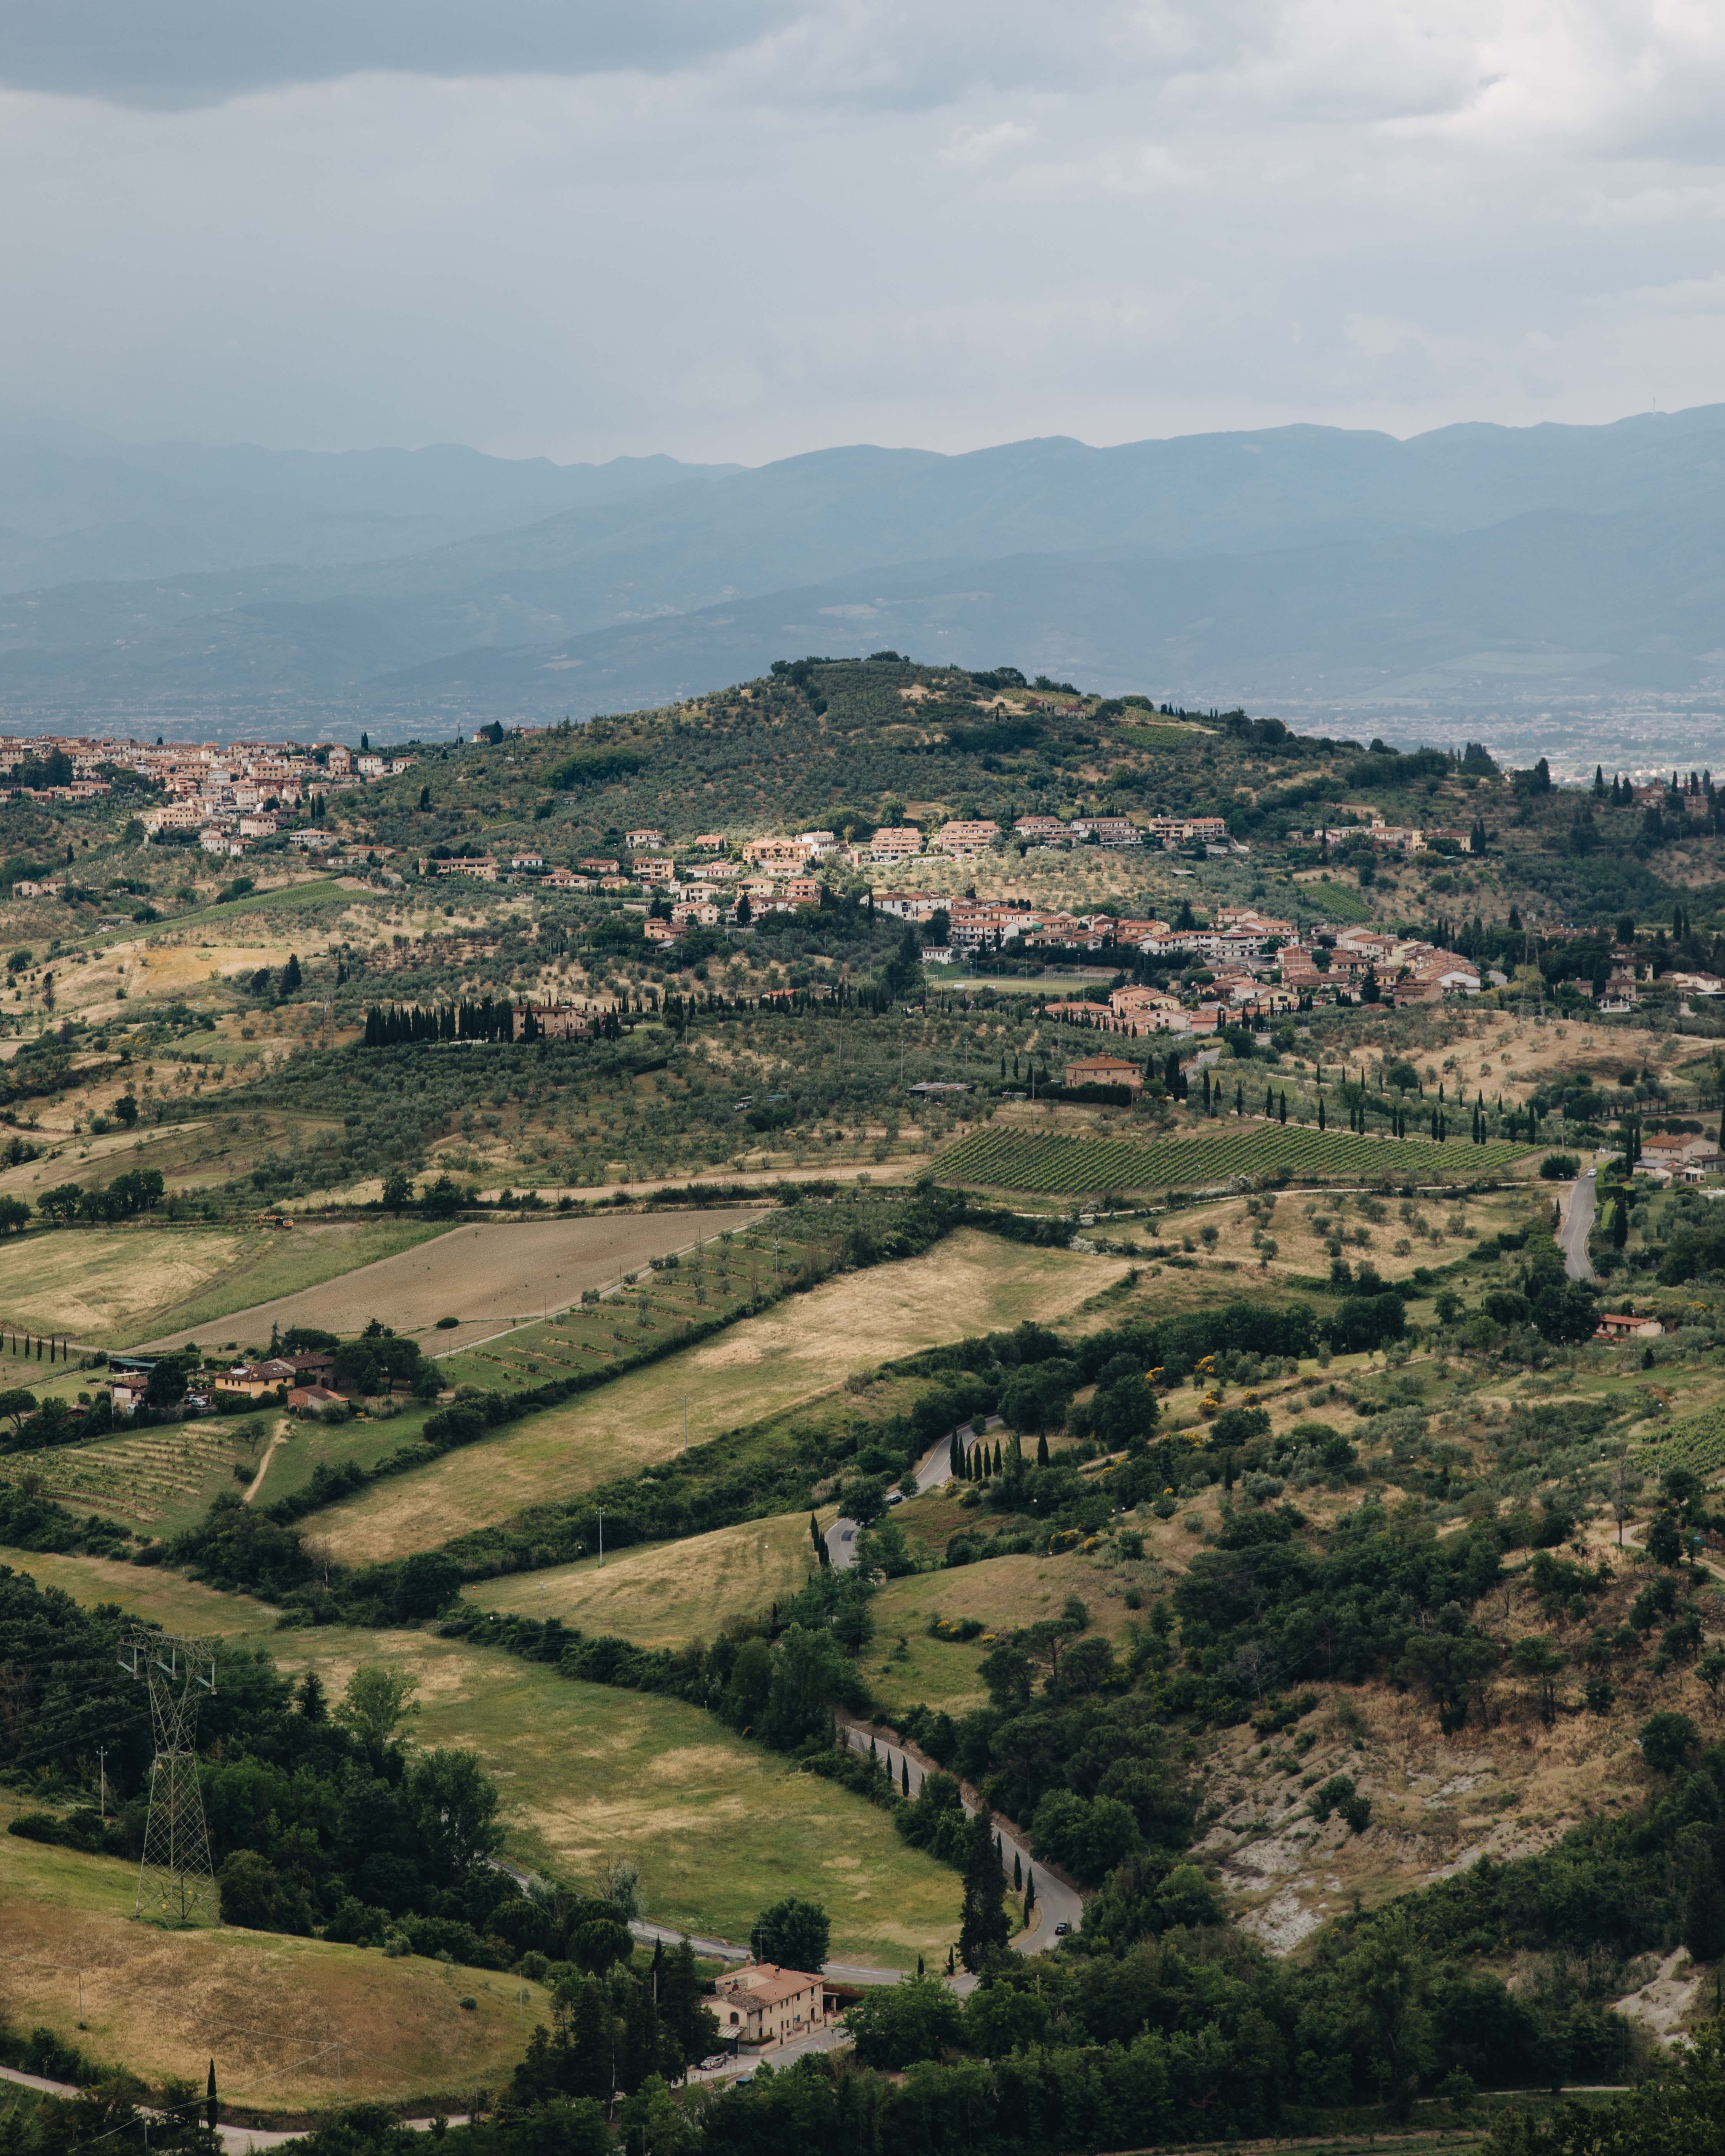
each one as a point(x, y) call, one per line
point(985, 1927)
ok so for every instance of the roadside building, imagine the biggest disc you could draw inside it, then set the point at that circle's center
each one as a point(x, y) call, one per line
point(763, 2006)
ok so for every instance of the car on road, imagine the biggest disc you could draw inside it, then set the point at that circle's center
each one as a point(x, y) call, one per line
point(715, 2059)
point(1061, 1930)
point(895, 1496)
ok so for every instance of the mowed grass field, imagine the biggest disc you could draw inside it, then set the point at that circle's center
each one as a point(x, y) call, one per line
point(720, 1828)
point(972, 1283)
point(268, 2009)
point(110, 1286)
point(488, 1276)
point(664, 1593)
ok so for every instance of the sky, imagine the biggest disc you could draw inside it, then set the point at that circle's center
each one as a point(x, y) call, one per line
point(739, 230)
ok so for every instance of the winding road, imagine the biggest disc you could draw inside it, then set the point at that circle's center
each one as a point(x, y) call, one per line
point(1057, 1902)
point(932, 1471)
point(1578, 1226)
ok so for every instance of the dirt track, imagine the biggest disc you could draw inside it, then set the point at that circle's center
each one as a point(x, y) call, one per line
point(487, 1275)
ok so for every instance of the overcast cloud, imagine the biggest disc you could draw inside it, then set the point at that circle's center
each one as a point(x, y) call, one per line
point(747, 227)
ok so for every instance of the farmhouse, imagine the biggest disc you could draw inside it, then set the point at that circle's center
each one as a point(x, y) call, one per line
point(1623, 1325)
point(763, 2004)
point(1104, 1071)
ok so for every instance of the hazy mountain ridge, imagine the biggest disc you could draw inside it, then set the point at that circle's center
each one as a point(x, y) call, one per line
point(1291, 566)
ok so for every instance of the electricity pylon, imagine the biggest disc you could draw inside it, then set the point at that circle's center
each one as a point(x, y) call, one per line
point(176, 1882)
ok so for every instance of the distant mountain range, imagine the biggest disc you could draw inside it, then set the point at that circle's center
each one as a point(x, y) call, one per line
point(1315, 571)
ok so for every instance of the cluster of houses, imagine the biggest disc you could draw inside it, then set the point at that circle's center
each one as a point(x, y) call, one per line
point(251, 790)
point(1396, 838)
point(1260, 966)
point(300, 1381)
point(705, 877)
point(229, 793)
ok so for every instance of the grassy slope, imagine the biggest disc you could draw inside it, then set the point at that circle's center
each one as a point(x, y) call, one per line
point(114, 1286)
point(719, 1827)
point(972, 1283)
point(268, 2009)
point(664, 1593)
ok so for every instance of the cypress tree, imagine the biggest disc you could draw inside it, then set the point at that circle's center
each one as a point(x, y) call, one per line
point(984, 1926)
point(904, 1771)
point(1042, 1448)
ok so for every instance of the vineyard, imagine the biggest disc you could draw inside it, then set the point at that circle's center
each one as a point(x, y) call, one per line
point(1014, 1160)
point(1697, 1443)
point(142, 1477)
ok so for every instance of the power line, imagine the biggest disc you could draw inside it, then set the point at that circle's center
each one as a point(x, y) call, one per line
point(176, 1879)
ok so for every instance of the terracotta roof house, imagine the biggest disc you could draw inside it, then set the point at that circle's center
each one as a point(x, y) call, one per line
point(763, 2004)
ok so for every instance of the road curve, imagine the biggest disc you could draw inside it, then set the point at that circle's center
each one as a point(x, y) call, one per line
point(1058, 1903)
point(933, 1470)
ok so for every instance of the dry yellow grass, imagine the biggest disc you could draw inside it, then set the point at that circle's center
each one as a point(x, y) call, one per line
point(269, 2010)
point(1003, 1593)
point(179, 1604)
point(666, 1592)
point(972, 1283)
point(1395, 1245)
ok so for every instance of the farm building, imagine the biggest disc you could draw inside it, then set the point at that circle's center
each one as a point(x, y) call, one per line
point(763, 2004)
point(314, 1400)
point(1104, 1071)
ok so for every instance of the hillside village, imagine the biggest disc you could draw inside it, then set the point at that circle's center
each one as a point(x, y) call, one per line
point(977, 1352)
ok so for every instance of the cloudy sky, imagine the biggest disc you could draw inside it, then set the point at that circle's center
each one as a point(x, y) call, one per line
point(740, 228)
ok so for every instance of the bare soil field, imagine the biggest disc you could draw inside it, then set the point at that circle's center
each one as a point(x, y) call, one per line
point(972, 1283)
point(270, 2010)
point(488, 1276)
point(104, 1286)
point(664, 1593)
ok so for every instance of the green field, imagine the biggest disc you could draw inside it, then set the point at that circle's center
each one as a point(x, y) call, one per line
point(720, 1828)
point(1062, 1165)
point(795, 1353)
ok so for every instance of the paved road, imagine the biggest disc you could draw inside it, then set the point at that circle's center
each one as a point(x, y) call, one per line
point(235, 2140)
point(1057, 1902)
point(932, 1473)
point(1578, 1226)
